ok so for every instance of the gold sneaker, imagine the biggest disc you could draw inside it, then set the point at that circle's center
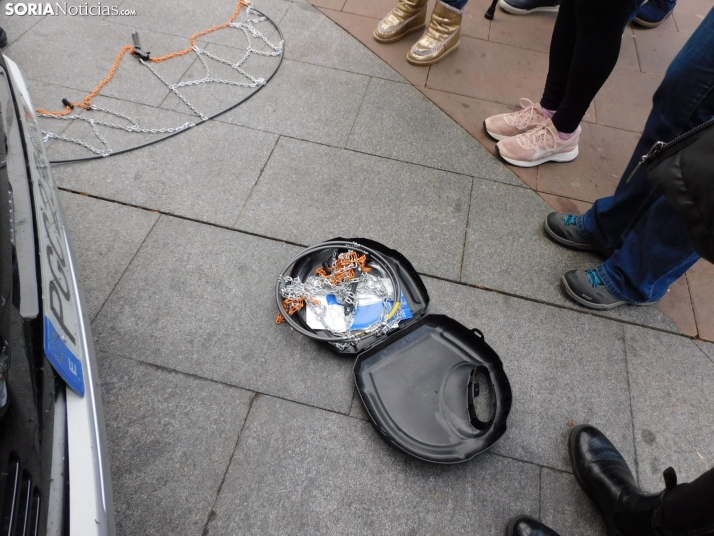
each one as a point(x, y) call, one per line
point(408, 17)
point(440, 39)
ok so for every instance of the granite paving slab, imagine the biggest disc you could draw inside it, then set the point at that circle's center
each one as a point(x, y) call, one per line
point(565, 508)
point(672, 399)
point(362, 28)
point(305, 101)
point(471, 72)
point(202, 300)
point(105, 237)
point(565, 368)
point(83, 52)
point(185, 17)
point(313, 38)
point(657, 47)
point(16, 26)
point(309, 193)
point(700, 278)
point(707, 348)
point(357, 410)
point(170, 439)
point(206, 173)
point(301, 470)
point(397, 121)
point(690, 14)
point(625, 101)
point(508, 250)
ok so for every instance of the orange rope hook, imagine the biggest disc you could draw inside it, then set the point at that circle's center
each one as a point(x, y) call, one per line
point(87, 102)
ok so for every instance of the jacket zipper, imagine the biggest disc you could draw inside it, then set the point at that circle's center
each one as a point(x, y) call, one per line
point(660, 146)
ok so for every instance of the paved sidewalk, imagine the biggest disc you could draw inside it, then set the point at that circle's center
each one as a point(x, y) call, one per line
point(502, 60)
point(221, 422)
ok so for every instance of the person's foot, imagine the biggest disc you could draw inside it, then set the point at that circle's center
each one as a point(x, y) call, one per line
point(528, 526)
point(653, 13)
point(586, 288)
point(408, 17)
point(503, 126)
point(563, 229)
point(524, 7)
point(441, 38)
point(3, 38)
point(539, 145)
point(604, 476)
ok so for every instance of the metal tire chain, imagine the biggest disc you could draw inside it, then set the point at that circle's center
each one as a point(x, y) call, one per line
point(293, 288)
point(245, 27)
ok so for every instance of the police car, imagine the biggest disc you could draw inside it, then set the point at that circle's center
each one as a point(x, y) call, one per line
point(54, 468)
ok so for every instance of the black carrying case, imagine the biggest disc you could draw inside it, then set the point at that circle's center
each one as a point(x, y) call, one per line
point(432, 387)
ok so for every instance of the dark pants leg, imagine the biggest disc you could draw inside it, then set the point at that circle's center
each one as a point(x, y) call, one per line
point(653, 248)
point(687, 510)
point(583, 51)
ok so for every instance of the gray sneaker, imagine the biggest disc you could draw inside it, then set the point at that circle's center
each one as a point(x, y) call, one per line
point(562, 228)
point(586, 288)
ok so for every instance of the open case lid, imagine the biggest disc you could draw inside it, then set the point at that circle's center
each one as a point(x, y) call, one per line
point(436, 390)
point(413, 287)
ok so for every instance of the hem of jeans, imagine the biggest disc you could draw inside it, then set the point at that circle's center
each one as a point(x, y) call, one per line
point(585, 234)
point(610, 286)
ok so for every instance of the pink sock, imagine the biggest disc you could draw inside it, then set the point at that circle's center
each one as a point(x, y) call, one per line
point(565, 137)
point(547, 113)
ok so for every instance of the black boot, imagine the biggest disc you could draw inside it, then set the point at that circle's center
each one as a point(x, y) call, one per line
point(528, 526)
point(605, 477)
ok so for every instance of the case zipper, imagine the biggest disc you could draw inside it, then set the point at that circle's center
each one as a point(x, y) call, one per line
point(661, 146)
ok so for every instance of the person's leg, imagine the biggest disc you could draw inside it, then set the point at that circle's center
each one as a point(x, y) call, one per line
point(655, 254)
point(562, 45)
point(684, 99)
point(602, 472)
point(600, 24)
point(584, 49)
point(688, 509)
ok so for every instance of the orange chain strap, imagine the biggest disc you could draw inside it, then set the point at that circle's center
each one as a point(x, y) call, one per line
point(87, 102)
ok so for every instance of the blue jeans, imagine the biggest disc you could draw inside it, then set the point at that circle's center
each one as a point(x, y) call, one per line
point(648, 240)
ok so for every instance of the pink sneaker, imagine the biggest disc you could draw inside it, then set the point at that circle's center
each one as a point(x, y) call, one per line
point(539, 145)
point(504, 126)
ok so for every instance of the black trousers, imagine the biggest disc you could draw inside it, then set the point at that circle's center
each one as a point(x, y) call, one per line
point(583, 51)
point(688, 509)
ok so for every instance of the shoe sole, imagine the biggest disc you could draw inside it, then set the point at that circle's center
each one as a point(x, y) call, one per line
point(586, 303)
point(435, 60)
point(648, 24)
point(568, 243)
point(515, 11)
point(610, 527)
point(400, 36)
point(560, 157)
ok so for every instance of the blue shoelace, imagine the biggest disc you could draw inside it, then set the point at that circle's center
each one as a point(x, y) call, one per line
point(570, 219)
point(593, 278)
